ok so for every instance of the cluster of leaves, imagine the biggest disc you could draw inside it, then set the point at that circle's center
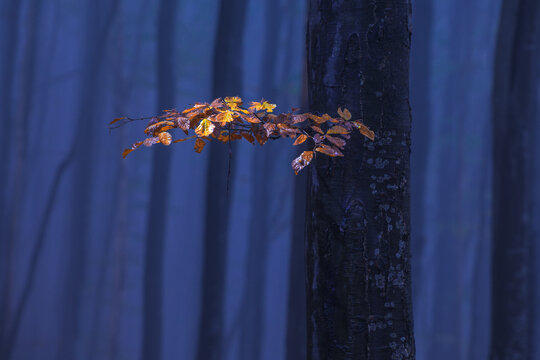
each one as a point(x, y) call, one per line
point(227, 120)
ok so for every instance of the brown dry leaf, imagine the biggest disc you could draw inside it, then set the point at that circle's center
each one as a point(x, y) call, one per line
point(299, 140)
point(196, 106)
point(133, 147)
point(165, 138)
point(345, 114)
point(269, 127)
point(302, 161)
point(317, 129)
point(205, 128)
point(364, 130)
point(184, 139)
point(299, 118)
point(338, 129)
point(248, 137)
point(182, 123)
point(151, 129)
point(199, 145)
point(236, 136)
point(151, 141)
point(116, 120)
point(336, 141)
point(328, 150)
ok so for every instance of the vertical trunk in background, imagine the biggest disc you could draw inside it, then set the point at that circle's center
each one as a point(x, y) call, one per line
point(97, 28)
point(358, 233)
point(156, 225)
point(420, 102)
point(515, 91)
point(253, 299)
point(227, 81)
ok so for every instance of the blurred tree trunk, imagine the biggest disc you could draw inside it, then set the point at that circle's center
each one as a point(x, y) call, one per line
point(420, 73)
point(358, 233)
point(99, 18)
point(515, 97)
point(156, 224)
point(227, 81)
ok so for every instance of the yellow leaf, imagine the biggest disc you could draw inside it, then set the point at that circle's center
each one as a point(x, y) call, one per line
point(225, 117)
point(299, 140)
point(205, 127)
point(262, 106)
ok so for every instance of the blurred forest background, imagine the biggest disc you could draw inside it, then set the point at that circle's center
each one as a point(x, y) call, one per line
point(150, 257)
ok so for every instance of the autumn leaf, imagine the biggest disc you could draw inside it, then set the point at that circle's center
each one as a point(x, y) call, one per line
point(345, 114)
point(165, 138)
point(248, 137)
point(336, 141)
point(237, 101)
point(328, 150)
point(182, 123)
point(184, 139)
point(199, 145)
point(337, 130)
point(299, 140)
point(196, 106)
point(364, 130)
point(117, 120)
point(151, 141)
point(133, 147)
point(151, 129)
point(302, 161)
point(205, 127)
point(225, 116)
point(262, 106)
point(318, 129)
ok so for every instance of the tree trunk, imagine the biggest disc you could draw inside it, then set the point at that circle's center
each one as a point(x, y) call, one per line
point(515, 91)
point(358, 233)
point(227, 81)
point(157, 211)
point(97, 27)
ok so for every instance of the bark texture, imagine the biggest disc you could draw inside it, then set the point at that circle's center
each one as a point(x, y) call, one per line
point(358, 234)
point(515, 93)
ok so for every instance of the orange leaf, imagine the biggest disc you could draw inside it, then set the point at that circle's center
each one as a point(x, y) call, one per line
point(299, 140)
point(302, 161)
point(338, 129)
point(151, 141)
point(336, 141)
point(199, 145)
point(196, 106)
point(248, 137)
point(133, 147)
point(165, 138)
point(225, 117)
point(364, 130)
point(116, 120)
point(262, 106)
point(317, 129)
point(328, 150)
point(184, 139)
point(345, 114)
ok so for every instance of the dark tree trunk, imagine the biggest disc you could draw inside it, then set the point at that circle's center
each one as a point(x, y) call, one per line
point(358, 234)
point(99, 18)
point(157, 211)
point(515, 91)
point(227, 81)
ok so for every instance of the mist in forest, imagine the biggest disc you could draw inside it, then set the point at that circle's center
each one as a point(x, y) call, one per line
point(152, 257)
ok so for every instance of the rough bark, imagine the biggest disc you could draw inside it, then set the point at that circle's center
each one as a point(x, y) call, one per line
point(358, 233)
point(157, 210)
point(227, 81)
point(515, 91)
